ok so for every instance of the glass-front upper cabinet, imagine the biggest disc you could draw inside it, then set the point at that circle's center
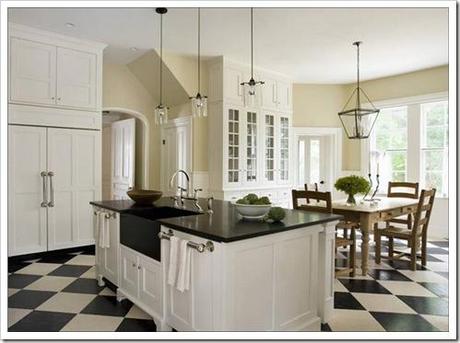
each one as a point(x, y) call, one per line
point(284, 149)
point(269, 153)
point(251, 147)
point(233, 175)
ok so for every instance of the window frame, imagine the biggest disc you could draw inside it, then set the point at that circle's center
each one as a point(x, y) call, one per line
point(414, 135)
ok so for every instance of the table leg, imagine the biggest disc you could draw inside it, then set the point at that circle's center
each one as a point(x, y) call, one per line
point(366, 225)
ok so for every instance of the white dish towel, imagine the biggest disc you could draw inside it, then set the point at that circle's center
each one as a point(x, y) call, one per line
point(103, 228)
point(173, 252)
point(185, 256)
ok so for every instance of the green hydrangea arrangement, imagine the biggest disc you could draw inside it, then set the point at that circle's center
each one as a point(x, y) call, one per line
point(352, 185)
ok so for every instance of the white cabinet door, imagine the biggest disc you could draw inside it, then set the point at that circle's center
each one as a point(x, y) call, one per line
point(269, 94)
point(151, 284)
point(33, 72)
point(269, 147)
point(129, 278)
point(74, 170)
point(283, 130)
point(233, 147)
point(249, 147)
point(123, 152)
point(233, 91)
point(26, 217)
point(284, 96)
point(76, 78)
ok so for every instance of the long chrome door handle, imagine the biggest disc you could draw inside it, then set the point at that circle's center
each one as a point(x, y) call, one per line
point(44, 202)
point(51, 202)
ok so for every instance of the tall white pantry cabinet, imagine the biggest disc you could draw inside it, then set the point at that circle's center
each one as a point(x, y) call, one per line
point(54, 139)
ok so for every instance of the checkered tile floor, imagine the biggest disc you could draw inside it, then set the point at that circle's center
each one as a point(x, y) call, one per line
point(60, 293)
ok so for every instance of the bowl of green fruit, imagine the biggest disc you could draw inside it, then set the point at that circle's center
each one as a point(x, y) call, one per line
point(253, 207)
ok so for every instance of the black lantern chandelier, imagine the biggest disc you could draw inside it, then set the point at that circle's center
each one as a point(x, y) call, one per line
point(358, 121)
point(252, 87)
point(199, 102)
point(161, 111)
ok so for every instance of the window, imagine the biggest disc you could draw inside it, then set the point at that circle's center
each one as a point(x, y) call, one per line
point(410, 143)
point(434, 146)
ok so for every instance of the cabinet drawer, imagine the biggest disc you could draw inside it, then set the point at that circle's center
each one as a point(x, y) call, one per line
point(391, 214)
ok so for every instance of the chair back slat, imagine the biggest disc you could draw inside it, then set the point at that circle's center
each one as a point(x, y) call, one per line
point(424, 209)
point(311, 187)
point(319, 198)
point(403, 190)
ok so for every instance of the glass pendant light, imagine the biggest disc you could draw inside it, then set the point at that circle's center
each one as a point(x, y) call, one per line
point(251, 89)
point(161, 111)
point(199, 102)
point(357, 121)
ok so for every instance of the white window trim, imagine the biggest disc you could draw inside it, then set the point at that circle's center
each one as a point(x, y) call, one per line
point(413, 131)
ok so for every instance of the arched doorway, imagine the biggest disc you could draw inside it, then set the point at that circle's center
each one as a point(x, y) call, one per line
point(112, 119)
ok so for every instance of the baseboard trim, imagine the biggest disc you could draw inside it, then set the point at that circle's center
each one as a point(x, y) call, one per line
point(42, 254)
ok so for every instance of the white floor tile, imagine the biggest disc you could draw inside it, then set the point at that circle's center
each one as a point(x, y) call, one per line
point(441, 322)
point(353, 320)
point(67, 302)
point(107, 291)
point(444, 258)
point(438, 266)
point(382, 303)
point(82, 260)
point(16, 314)
point(137, 313)
point(339, 287)
point(90, 322)
point(51, 283)
point(38, 268)
point(406, 288)
point(12, 291)
point(424, 276)
point(90, 274)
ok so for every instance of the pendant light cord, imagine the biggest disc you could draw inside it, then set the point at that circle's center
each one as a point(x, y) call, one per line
point(161, 59)
point(199, 47)
point(252, 42)
point(358, 95)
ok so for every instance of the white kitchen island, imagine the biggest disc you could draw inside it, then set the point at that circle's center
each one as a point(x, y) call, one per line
point(252, 276)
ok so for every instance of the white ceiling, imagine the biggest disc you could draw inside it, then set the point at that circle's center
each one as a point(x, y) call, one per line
point(312, 45)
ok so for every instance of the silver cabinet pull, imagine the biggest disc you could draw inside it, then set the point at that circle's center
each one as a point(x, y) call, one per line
point(44, 203)
point(51, 203)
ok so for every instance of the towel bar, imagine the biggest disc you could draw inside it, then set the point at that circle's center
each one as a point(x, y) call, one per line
point(200, 247)
point(107, 214)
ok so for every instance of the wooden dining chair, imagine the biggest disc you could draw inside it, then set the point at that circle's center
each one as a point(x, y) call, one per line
point(415, 235)
point(322, 202)
point(311, 187)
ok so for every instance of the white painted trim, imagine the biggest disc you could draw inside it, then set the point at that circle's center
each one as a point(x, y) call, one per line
point(336, 146)
point(145, 139)
point(417, 99)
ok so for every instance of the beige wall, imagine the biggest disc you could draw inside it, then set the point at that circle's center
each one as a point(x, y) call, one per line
point(123, 90)
point(318, 105)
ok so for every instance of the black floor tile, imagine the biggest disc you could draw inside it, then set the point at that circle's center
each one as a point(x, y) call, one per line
point(402, 322)
point(404, 265)
point(346, 301)
point(427, 305)
point(56, 258)
point(89, 250)
point(42, 321)
point(29, 299)
point(387, 274)
point(129, 324)
point(364, 286)
point(21, 280)
point(15, 266)
point(440, 289)
point(325, 327)
point(108, 306)
point(70, 270)
point(441, 244)
point(83, 286)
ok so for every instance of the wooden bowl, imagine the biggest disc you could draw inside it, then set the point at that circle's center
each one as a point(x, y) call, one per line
point(144, 196)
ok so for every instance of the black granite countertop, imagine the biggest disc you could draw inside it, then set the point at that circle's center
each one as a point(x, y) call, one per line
point(225, 224)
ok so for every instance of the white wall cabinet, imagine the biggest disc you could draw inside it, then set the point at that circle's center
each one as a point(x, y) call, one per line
point(48, 69)
point(251, 142)
point(141, 280)
point(107, 259)
point(53, 175)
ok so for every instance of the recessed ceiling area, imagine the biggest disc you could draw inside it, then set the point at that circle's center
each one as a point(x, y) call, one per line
point(311, 45)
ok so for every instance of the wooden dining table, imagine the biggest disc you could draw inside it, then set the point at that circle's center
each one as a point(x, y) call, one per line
point(368, 216)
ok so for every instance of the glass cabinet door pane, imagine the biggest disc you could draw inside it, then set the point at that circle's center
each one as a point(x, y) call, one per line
point(284, 148)
point(251, 148)
point(233, 145)
point(269, 147)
